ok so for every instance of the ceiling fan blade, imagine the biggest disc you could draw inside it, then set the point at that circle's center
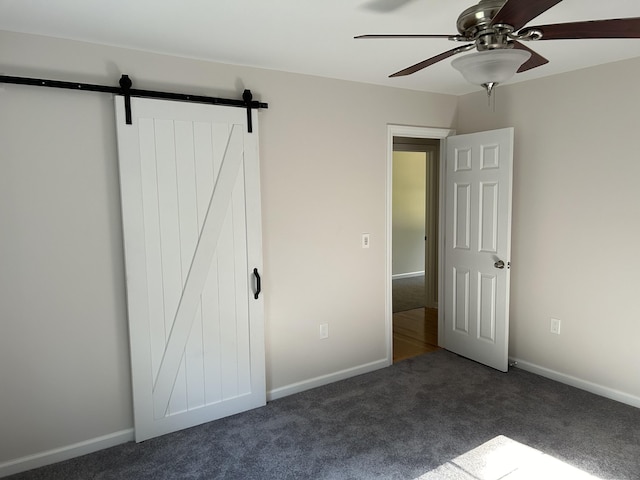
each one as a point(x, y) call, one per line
point(536, 60)
point(406, 36)
point(430, 61)
point(614, 28)
point(518, 13)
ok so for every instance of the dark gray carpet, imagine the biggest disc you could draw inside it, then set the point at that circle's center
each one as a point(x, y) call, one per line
point(429, 417)
point(408, 293)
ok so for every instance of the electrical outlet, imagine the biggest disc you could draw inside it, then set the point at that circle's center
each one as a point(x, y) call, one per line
point(366, 240)
point(324, 330)
point(555, 326)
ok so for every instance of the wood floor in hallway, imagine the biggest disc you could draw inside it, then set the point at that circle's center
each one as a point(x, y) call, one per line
point(414, 332)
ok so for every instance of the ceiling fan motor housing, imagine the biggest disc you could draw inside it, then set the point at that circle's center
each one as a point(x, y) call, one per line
point(475, 24)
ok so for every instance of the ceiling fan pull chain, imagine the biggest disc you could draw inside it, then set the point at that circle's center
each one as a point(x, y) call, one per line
point(489, 88)
point(491, 98)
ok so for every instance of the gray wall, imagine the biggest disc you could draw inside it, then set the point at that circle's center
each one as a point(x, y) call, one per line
point(576, 222)
point(64, 372)
point(64, 375)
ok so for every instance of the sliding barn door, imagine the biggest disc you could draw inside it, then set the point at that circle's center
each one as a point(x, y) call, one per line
point(190, 191)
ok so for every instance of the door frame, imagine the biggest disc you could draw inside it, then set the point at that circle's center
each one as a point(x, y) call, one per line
point(412, 132)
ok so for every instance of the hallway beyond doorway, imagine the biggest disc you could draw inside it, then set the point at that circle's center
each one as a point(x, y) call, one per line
point(414, 332)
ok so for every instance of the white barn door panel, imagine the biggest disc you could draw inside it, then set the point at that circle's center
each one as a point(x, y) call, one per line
point(477, 251)
point(190, 192)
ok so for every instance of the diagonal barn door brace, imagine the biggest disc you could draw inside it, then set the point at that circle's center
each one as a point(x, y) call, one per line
point(197, 276)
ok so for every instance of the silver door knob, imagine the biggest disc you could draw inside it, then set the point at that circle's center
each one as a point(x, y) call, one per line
point(499, 264)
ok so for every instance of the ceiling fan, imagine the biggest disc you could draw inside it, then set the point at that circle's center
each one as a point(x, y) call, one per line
point(497, 28)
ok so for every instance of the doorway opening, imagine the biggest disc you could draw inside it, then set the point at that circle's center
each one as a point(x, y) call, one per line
point(413, 230)
point(414, 246)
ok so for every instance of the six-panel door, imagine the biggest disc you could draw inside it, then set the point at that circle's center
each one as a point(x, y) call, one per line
point(477, 239)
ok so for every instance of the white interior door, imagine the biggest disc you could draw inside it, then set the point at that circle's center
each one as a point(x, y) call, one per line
point(478, 177)
point(190, 192)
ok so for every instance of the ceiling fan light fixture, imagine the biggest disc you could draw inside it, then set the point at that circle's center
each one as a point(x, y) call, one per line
point(491, 67)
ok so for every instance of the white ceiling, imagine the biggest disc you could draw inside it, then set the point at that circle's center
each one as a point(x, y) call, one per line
point(311, 37)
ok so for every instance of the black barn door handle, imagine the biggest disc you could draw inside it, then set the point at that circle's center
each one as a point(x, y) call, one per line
point(258, 283)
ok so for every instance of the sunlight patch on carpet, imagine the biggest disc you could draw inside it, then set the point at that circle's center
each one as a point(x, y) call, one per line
point(505, 459)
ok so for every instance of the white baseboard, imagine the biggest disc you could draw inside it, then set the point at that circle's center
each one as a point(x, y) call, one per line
point(603, 391)
point(65, 453)
point(89, 446)
point(407, 275)
point(326, 379)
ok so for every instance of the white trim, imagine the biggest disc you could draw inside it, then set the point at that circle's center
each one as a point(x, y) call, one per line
point(407, 275)
point(409, 132)
point(65, 453)
point(326, 379)
point(595, 388)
